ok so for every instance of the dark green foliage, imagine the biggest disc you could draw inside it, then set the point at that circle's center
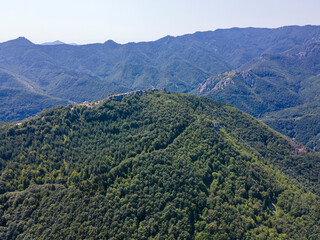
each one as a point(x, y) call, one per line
point(154, 167)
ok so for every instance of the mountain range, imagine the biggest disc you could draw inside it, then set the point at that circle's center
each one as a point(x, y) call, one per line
point(269, 73)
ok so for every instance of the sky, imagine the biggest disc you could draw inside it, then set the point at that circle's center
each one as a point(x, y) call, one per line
point(91, 21)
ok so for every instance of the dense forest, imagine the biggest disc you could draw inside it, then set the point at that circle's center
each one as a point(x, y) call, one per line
point(155, 166)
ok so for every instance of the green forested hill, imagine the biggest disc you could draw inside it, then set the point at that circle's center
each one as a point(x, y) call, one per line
point(156, 166)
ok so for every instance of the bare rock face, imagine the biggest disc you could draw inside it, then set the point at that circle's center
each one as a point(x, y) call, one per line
point(119, 96)
point(297, 148)
point(217, 82)
point(246, 75)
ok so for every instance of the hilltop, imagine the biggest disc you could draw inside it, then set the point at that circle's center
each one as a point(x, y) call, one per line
point(155, 165)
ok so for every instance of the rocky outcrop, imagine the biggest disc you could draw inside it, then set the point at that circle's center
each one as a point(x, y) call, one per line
point(217, 82)
point(119, 96)
point(297, 148)
point(246, 75)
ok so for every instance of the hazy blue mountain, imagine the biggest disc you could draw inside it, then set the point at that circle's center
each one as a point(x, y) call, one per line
point(57, 42)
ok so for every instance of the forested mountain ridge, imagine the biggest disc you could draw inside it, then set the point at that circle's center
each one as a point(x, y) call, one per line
point(91, 72)
point(155, 166)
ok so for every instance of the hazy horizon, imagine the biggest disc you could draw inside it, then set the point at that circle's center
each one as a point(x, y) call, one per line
point(71, 43)
point(125, 21)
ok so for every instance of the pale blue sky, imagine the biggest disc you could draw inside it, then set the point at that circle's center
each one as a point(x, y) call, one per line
point(88, 21)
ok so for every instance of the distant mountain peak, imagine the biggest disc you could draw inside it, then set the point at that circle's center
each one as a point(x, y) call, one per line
point(57, 42)
point(110, 43)
point(166, 39)
point(21, 41)
point(22, 38)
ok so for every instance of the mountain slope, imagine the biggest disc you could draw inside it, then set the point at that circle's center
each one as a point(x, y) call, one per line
point(238, 46)
point(301, 122)
point(276, 84)
point(164, 166)
point(17, 104)
point(274, 81)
